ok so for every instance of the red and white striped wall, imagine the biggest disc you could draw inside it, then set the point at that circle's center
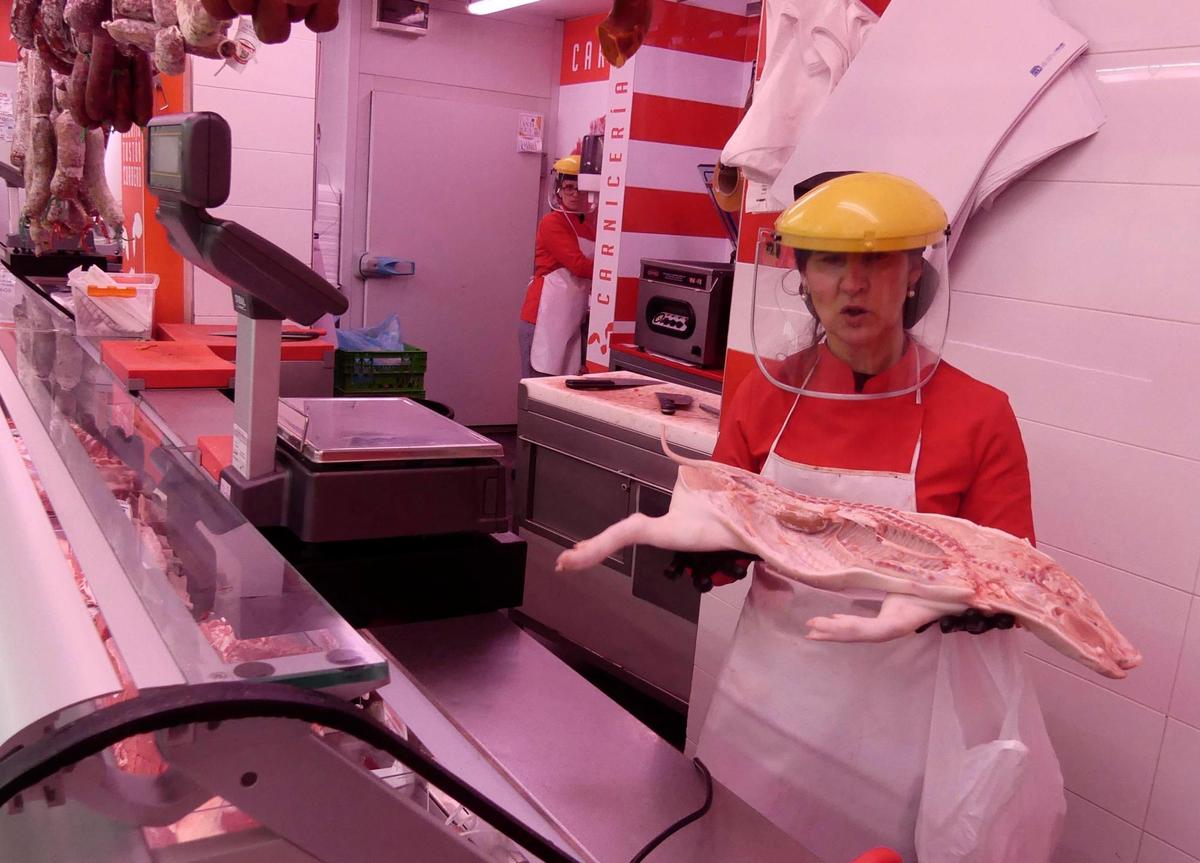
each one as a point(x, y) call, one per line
point(689, 87)
point(689, 92)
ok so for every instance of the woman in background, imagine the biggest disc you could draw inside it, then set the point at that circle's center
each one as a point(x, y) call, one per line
point(552, 329)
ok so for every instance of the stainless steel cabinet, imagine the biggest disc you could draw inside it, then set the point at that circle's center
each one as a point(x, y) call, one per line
point(575, 477)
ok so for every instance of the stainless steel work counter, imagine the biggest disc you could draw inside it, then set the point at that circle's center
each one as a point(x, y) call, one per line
point(587, 460)
point(606, 780)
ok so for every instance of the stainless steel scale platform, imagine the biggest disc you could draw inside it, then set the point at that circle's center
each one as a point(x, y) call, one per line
point(363, 430)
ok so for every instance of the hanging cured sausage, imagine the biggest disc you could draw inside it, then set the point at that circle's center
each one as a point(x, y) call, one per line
point(88, 67)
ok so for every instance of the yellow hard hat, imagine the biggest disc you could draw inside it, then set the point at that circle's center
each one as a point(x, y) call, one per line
point(863, 212)
point(567, 165)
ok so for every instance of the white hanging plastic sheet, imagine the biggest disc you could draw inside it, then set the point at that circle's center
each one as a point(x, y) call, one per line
point(1067, 112)
point(810, 46)
point(933, 93)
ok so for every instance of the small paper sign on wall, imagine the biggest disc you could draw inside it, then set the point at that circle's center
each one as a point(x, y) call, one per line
point(529, 133)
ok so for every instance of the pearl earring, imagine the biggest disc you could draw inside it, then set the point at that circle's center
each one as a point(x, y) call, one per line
point(911, 294)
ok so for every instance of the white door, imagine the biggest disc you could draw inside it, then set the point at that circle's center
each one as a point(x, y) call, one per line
point(449, 190)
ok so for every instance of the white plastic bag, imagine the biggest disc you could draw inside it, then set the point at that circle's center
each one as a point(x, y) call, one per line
point(93, 275)
point(384, 336)
point(993, 791)
point(931, 744)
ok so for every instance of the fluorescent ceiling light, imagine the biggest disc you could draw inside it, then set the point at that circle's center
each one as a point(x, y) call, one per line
point(487, 7)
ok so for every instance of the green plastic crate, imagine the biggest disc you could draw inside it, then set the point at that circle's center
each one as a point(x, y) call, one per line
point(395, 394)
point(400, 373)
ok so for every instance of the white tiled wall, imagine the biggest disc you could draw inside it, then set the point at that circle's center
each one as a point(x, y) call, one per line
point(270, 108)
point(1107, 745)
point(1173, 807)
point(1093, 835)
point(1154, 850)
point(1185, 703)
point(1078, 295)
point(719, 611)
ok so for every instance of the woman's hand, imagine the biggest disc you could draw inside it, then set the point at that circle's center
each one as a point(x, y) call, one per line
point(973, 621)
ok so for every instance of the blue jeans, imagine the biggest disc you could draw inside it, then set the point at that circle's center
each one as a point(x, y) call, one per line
point(525, 343)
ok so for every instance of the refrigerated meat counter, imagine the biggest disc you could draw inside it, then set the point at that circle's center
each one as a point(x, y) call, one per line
point(176, 690)
point(181, 690)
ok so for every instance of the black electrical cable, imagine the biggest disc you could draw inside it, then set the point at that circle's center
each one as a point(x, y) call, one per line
point(168, 707)
point(682, 822)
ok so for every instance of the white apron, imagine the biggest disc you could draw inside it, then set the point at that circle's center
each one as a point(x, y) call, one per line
point(557, 339)
point(932, 744)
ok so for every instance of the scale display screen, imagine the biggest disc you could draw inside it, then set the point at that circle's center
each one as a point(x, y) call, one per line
point(166, 158)
point(188, 158)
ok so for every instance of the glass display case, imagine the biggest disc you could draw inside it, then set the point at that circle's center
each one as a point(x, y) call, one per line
point(225, 603)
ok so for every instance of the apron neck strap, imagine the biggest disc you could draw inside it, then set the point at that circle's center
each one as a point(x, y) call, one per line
point(786, 420)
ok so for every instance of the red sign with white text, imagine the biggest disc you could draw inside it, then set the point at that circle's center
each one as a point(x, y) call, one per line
point(581, 57)
point(602, 319)
point(133, 195)
point(8, 45)
point(146, 246)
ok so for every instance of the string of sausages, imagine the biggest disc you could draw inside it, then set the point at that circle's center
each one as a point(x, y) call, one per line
point(88, 67)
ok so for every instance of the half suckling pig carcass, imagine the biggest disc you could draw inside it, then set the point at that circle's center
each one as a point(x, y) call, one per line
point(927, 565)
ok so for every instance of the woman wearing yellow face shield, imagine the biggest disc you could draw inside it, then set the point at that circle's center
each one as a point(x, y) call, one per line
point(553, 316)
point(932, 744)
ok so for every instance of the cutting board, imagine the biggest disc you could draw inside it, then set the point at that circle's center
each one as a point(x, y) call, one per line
point(225, 346)
point(216, 453)
point(165, 365)
point(636, 409)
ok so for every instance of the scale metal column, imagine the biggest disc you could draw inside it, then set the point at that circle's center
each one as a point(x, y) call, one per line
point(188, 167)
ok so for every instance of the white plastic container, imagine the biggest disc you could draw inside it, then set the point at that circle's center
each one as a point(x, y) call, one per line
point(113, 305)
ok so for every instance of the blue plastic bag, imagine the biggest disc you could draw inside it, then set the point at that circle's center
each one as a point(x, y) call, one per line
point(384, 336)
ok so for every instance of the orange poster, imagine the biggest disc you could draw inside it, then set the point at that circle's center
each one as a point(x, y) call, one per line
point(133, 175)
point(146, 246)
point(8, 45)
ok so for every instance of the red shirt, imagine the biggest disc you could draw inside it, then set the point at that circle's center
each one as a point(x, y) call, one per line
point(557, 246)
point(972, 463)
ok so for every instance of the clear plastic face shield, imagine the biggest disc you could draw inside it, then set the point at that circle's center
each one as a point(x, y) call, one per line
point(849, 325)
point(566, 196)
